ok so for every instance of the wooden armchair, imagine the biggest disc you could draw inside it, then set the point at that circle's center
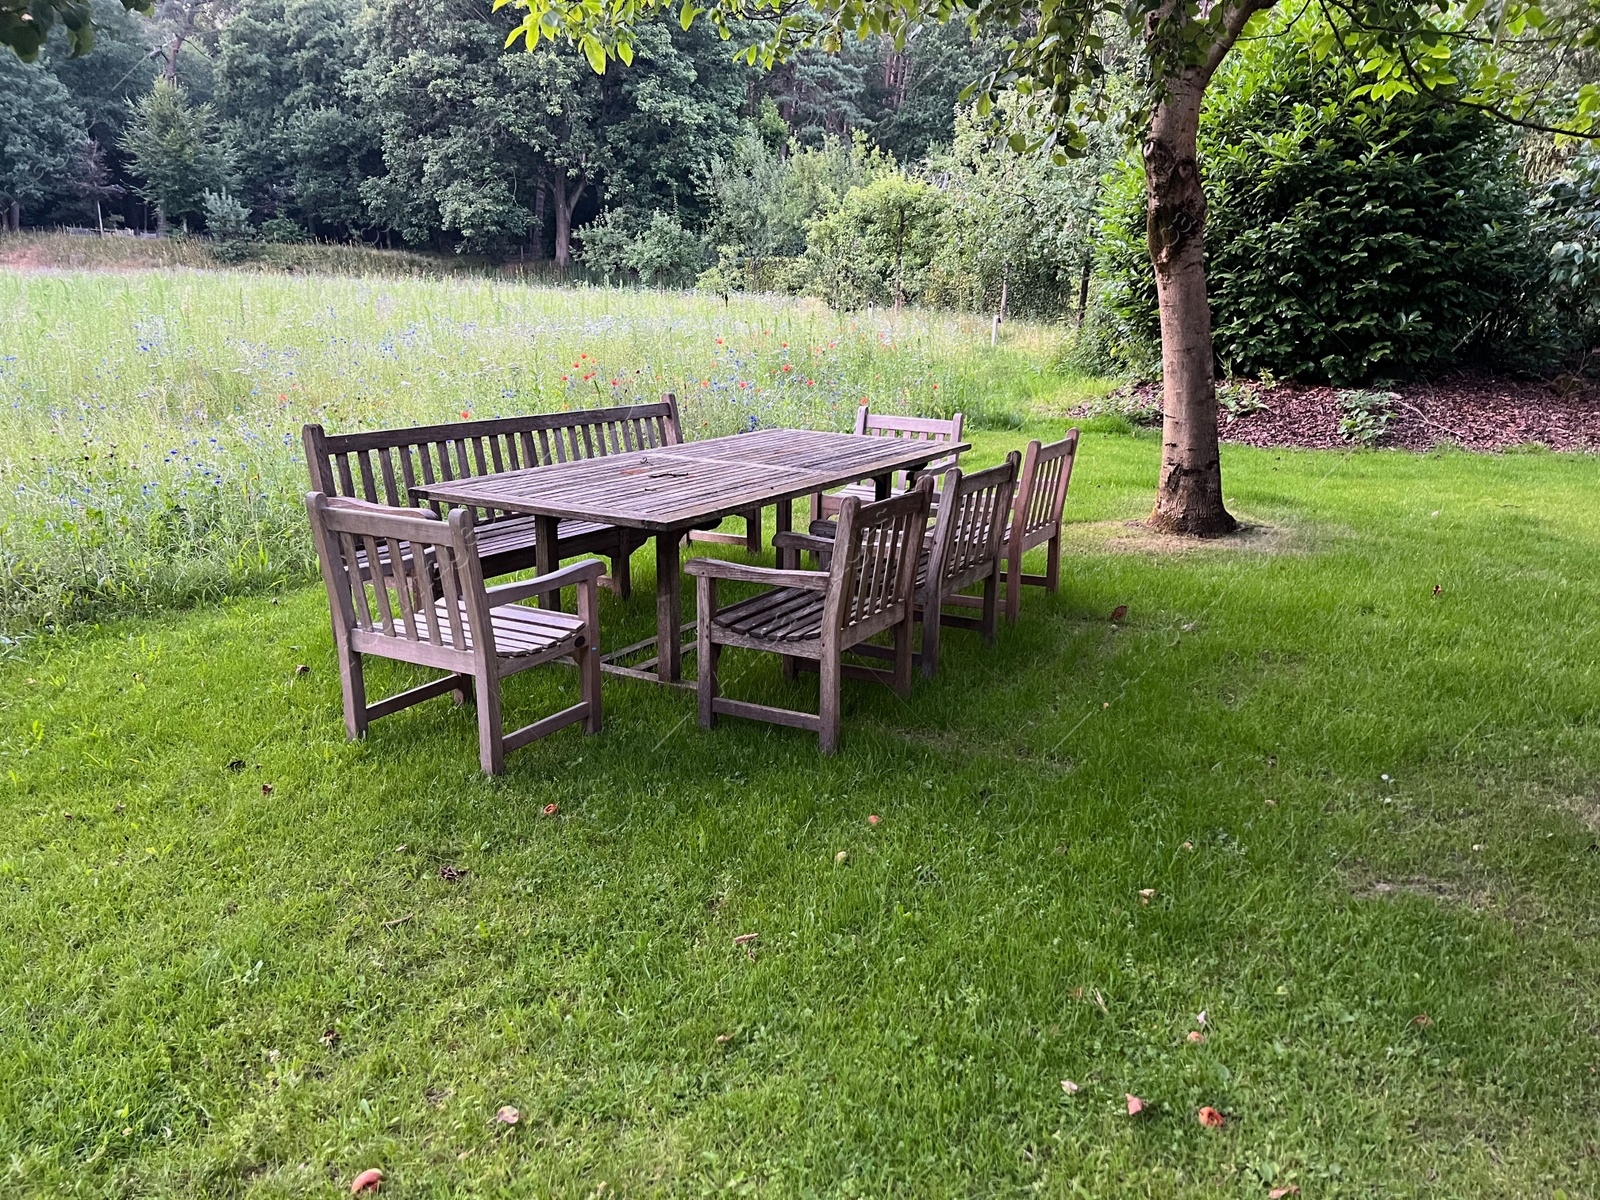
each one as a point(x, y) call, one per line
point(425, 603)
point(1036, 516)
point(870, 424)
point(815, 616)
point(964, 550)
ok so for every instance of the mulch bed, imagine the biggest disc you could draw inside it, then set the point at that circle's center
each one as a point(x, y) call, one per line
point(1474, 412)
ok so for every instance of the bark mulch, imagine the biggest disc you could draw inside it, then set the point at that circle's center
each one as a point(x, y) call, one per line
point(1476, 412)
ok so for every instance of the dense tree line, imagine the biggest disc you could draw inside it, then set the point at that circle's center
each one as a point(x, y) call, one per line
point(412, 123)
point(1353, 238)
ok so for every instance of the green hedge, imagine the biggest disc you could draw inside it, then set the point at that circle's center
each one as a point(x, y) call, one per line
point(1348, 241)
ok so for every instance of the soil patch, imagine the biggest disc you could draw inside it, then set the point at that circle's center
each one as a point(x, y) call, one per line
point(1475, 412)
point(1135, 537)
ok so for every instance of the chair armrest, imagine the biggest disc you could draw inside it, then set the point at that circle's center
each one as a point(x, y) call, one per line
point(587, 571)
point(825, 529)
point(721, 568)
point(803, 541)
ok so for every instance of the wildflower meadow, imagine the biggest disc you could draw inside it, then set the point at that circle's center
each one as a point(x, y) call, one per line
point(151, 421)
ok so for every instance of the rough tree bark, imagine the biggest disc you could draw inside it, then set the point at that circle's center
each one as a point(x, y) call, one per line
point(566, 200)
point(538, 221)
point(1189, 493)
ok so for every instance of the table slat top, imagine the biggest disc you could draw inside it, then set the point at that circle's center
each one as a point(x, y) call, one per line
point(673, 487)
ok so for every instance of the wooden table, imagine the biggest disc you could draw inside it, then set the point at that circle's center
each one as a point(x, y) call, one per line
point(670, 490)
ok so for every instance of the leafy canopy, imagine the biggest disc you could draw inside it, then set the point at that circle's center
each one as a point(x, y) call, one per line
point(1057, 49)
point(24, 24)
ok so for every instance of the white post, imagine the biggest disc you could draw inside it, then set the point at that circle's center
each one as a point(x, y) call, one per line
point(994, 331)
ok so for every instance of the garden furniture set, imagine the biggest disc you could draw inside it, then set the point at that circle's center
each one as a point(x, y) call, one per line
point(410, 522)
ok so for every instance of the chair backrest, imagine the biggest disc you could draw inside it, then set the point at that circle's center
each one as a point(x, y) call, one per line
point(1042, 490)
point(973, 512)
point(927, 429)
point(383, 567)
point(381, 465)
point(873, 573)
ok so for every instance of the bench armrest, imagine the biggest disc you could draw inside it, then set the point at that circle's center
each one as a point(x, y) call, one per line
point(721, 568)
point(803, 541)
point(587, 571)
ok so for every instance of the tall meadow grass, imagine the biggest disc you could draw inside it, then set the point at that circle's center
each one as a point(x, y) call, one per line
point(149, 421)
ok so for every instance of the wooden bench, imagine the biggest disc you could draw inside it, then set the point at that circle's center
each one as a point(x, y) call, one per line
point(382, 465)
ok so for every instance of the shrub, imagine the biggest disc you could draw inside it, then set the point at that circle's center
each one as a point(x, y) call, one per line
point(1364, 416)
point(1569, 218)
point(879, 245)
point(1348, 240)
point(1240, 398)
point(659, 252)
point(282, 230)
point(227, 219)
point(665, 254)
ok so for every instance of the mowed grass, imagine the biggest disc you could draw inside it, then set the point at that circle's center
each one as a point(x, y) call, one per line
point(1355, 756)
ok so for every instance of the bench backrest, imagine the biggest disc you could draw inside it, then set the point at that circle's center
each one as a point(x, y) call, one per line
point(1042, 490)
point(874, 569)
point(409, 556)
point(973, 512)
point(928, 429)
point(380, 465)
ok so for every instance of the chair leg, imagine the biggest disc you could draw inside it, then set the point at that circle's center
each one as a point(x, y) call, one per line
point(491, 740)
point(828, 702)
point(930, 636)
point(1013, 588)
point(789, 665)
point(589, 686)
point(707, 656)
point(353, 683)
point(991, 604)
point(622, 569)
point(589, 657)
point(1052, 569)
point(902, 654)
point(462, 693)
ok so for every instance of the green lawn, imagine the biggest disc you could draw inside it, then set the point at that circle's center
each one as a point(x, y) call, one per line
point(1358, 800)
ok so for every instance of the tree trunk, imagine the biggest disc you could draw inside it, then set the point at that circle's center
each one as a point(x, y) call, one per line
point(14, 217)
point(161, 221)
point(566, 200)
point(538, 222)
point(1189, 494)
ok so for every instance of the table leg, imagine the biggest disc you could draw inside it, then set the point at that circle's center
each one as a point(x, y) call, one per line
point(880, 486)
point(669, 607)
point(547, 557)
point(783, 522)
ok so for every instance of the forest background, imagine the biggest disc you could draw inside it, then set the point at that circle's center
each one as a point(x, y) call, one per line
point(1351, 240)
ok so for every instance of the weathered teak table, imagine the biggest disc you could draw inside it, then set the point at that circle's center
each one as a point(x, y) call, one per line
point(670, 490)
